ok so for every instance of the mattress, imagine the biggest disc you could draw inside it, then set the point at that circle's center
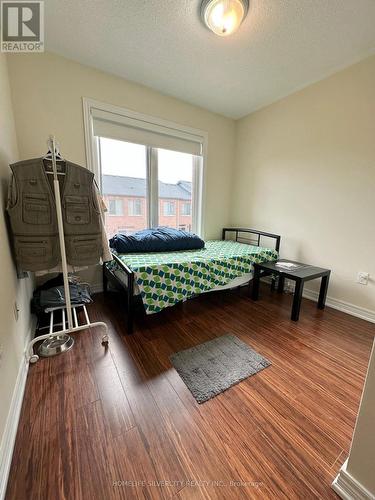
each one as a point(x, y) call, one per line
point(239, 281)
point(166, 278)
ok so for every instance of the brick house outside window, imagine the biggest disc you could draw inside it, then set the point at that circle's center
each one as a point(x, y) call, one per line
point(125, 198)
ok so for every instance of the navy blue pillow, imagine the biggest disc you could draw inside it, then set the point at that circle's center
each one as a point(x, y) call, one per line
point(159, 239)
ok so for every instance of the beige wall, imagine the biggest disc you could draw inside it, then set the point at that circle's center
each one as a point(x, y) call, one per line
point(47, 93)
point(13, 333)
point(305, 168)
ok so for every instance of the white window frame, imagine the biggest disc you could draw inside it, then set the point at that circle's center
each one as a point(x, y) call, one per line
point(199, 162)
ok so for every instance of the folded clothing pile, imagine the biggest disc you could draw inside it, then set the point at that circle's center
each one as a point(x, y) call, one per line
point(47, 297)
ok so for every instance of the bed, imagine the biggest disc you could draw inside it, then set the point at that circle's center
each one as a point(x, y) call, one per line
point(164, 279)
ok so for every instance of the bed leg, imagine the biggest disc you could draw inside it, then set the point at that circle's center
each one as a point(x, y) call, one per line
point(129, 324)
point(105, 281)
point(130, 319)
point(130, 296)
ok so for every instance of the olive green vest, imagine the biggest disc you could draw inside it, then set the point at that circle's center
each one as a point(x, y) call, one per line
point(33, 217)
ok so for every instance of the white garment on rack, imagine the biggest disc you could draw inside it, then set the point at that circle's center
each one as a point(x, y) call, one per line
point(106, 257)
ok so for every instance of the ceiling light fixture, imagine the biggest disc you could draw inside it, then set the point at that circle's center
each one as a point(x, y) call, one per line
point(224, 17)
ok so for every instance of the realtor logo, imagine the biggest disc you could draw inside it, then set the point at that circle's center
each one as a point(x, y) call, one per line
point(22, 26)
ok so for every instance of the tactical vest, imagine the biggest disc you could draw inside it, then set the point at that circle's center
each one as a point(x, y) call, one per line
point(33, 217)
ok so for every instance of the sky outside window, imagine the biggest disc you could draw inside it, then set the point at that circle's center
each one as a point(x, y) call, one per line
point(129, 160)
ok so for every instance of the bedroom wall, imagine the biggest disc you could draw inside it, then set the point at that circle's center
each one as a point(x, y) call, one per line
point(13, 333)
point(305, 169)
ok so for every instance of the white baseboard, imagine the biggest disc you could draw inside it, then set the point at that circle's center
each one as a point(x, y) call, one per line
point(11, 425)
point(349, 488)
point(10, 431)
point(340, 305)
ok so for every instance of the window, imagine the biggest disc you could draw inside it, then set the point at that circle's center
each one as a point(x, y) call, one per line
point(156, 186)
point(175, 175)
point(135, 207)
point(154, 167)
point(115, 207)
point(169, 208)
point(124, 176)
point(186, 209)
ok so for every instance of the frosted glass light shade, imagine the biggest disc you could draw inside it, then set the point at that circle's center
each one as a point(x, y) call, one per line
point(224, 17)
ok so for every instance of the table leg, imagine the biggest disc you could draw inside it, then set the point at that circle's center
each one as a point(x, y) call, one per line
point(323, 292)
point(297, 299)
point(273, 280)
point(256, 279)
point(280, 286)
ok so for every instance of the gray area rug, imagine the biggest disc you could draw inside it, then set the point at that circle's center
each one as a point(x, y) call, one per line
point(212, 367)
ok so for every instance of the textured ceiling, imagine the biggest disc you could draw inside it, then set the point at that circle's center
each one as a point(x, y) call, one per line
point(282, 46)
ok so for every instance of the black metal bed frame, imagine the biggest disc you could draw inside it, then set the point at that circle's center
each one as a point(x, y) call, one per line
point(110, 277)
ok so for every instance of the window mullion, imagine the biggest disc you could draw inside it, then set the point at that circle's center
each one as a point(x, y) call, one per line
point(98, 163)
point(196, 194)
point(153, 191)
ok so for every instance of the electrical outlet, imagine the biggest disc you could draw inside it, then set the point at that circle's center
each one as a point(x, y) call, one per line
point(362, 278)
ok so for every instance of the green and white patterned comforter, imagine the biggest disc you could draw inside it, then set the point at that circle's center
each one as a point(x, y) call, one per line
point(166, 278)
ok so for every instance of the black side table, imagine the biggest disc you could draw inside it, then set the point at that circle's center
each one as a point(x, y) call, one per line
point(303, 273)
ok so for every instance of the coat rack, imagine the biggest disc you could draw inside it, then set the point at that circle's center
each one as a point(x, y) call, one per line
point(70, 322)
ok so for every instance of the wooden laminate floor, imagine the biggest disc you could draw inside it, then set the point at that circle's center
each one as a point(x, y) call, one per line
point(122, 424)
